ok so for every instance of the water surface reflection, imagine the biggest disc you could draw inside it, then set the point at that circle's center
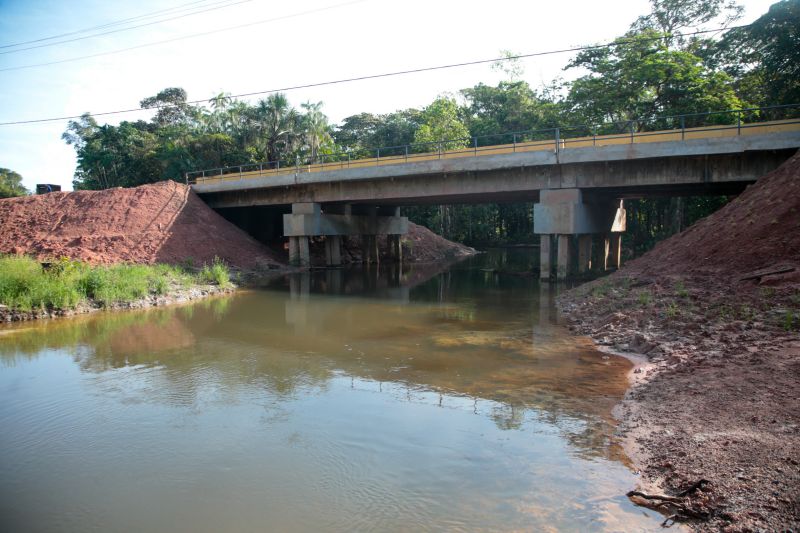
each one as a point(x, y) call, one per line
point(336, 400)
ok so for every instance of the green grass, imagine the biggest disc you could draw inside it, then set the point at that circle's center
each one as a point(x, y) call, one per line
point(644, 298)
point(26, 284)
point(216, 273)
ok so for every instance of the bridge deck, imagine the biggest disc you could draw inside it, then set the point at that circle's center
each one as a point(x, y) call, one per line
point(662, 136)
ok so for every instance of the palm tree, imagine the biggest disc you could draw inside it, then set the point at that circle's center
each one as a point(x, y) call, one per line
point(277, 126)
point(316, 130)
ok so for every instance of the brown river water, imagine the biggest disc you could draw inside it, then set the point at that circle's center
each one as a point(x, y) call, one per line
point(432, 399)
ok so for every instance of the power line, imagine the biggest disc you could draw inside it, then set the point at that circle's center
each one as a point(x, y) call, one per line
point(201, 34)
point(180, 7)
point(176, 17)
point(617, 42)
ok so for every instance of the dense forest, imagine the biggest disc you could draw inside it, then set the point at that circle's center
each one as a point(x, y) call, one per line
point(661, 67)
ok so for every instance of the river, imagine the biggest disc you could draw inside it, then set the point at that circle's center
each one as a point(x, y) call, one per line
point(345, 400)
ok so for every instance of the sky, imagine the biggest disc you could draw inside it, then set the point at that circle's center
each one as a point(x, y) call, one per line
point(260, 45)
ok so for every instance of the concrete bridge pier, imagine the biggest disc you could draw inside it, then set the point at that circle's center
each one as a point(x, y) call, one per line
point(567, 223)
point(333, 250)
point(310, 219)
point(298, 251)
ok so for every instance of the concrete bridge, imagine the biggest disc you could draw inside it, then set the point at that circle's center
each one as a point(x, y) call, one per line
point(578, 186)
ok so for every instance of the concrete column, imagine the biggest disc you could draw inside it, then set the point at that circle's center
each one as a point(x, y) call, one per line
point(369, 249)
point(544, 257)
point(395, 248)
point(294, 251)
point(298, 252)
point(615, 252)
point(333, 250)
point(564, 253)
point(584, 253)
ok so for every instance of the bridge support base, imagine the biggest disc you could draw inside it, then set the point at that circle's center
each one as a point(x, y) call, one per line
point(335, 221)
point(565, 214)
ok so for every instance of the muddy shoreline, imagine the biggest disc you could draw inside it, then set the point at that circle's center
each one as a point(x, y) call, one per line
point(713, 397)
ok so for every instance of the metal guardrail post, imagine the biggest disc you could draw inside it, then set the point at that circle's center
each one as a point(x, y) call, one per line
point(739, 122)
point(683, 128)
point(594, 136)
point(514, 141)
point(406, 148)
point(475, 144)
point(558, 140)
point(631, 126)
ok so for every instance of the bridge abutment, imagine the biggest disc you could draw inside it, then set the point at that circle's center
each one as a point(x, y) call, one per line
point(568, 224)
point(310, 219)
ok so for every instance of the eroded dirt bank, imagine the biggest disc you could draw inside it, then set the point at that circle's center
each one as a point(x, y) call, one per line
point(160, 223)
point(716, 312)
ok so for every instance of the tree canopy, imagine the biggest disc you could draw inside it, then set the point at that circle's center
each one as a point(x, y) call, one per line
point(11, 184)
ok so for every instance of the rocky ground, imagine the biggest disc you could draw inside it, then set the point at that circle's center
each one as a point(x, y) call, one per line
point(713, 418)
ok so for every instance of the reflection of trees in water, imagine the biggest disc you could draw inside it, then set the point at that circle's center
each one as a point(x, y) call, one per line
point(271, 346)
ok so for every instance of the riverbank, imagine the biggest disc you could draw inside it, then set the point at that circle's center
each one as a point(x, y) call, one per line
point(714, 400)
point(31, 290)
point(712, 420)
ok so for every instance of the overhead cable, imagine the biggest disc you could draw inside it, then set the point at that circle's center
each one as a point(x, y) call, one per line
point(617, 42)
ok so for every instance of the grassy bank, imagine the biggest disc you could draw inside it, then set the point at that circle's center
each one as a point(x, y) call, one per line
point(26, 284)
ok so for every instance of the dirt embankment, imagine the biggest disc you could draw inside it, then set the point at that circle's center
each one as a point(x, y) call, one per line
point(420, 245)
point(716, 312)
point(160, 223)
point(164, 223)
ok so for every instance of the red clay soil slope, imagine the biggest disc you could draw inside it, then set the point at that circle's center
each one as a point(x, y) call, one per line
point(160, 223)
point(716, 312)
point(758, 230)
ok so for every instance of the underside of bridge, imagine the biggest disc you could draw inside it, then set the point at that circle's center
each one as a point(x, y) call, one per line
point(579, 197)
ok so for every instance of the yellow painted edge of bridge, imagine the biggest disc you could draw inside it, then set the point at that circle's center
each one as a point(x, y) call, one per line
point(706, 132)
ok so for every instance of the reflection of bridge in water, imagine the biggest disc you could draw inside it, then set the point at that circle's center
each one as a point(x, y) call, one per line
point(577, 178)
point(458, 338)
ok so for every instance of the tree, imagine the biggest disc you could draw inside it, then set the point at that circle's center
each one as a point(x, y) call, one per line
point(441, 121)
point(11, 184)
point(640, 77)
point(509, 107)
point(278, 127)
point(765, 56)
point(171, 104)
point(316, 130)
point(672, 17)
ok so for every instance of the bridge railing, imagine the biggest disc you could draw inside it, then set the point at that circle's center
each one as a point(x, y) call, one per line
point(728, 123)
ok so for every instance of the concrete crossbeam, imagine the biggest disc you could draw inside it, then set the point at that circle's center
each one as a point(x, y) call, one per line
point(327, 224)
